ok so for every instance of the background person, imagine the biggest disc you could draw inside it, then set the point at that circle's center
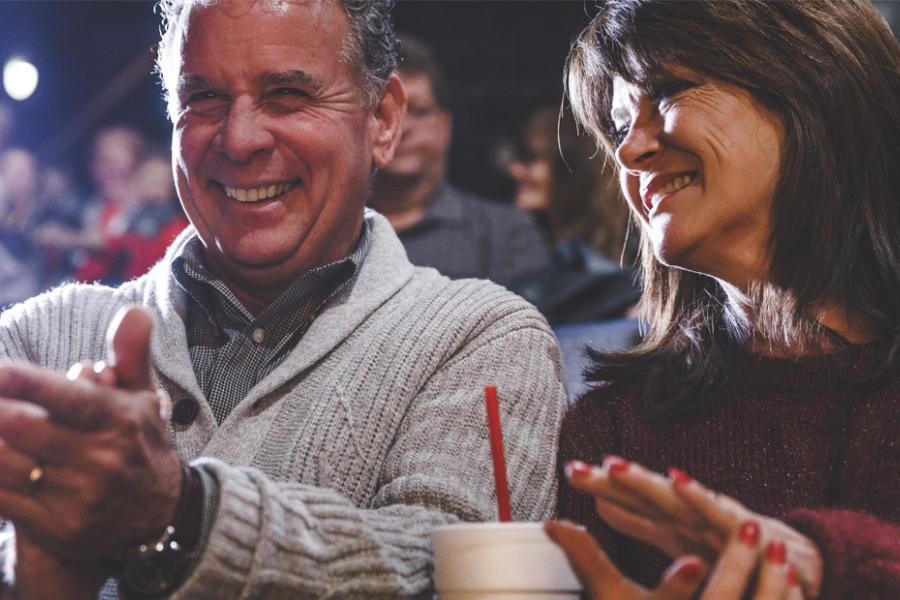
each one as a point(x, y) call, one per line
point(20, 258)
point(757, 145)
point(322, 388)
point(440, 226)
point(574, 196)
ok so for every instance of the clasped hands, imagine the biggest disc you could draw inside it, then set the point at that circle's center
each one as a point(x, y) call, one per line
point(110, 473)
point(739, 554)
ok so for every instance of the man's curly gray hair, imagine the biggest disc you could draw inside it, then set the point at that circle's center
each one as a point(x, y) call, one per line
point(370, 46)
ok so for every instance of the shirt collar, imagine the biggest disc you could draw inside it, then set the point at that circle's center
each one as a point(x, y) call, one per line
point(212, 295)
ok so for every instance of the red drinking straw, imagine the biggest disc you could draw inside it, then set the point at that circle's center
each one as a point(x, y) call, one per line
point(493, 415)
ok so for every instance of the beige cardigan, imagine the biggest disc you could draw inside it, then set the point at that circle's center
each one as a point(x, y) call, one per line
point(336, 466)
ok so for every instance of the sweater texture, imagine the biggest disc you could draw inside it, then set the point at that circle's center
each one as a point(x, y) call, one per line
point(337, 465)
point(811, 441)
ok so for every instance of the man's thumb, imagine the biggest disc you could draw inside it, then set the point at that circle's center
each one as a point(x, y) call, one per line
point(128, 343)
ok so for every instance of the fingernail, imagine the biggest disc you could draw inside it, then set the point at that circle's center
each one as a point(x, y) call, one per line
point(749, 533)
point(616, 464)
point(678, 476)
point(776, 552)
point(792, 575)
point(577, 469)
point(690, 572)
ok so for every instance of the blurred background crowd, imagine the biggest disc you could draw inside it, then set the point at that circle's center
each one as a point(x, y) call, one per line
point(492, 179)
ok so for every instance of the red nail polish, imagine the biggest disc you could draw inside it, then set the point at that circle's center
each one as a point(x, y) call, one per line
point(616, 464)
point(577, 469)
point(792, 575)
point(690, 572)
point(776, 552)
point(678, 476)
point(749, 533)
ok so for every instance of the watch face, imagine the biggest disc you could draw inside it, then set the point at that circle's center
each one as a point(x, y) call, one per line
point(158, 571)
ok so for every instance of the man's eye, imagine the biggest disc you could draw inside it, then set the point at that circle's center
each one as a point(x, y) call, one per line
point(287, 99)
point(289, 92)
point(200, 97)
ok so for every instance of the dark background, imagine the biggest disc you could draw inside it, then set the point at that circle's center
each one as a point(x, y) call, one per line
point(503, 60)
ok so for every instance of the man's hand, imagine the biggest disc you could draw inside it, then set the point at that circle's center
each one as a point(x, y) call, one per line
point(41, 575)
point(111, 476)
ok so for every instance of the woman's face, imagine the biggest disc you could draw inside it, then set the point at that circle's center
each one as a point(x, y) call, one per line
point(699, 162)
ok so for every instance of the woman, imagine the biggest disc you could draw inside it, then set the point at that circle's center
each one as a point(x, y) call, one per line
point(758, 147)
point(574, 197)
point(570, 191)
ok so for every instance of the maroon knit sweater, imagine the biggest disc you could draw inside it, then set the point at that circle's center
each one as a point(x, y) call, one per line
point(807, 441)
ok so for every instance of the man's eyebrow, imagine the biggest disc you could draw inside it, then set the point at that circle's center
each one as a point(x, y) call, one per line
point(292, 77)
point(189, 83)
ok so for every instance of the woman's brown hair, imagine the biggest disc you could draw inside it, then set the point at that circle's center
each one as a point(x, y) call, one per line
point(832, 71)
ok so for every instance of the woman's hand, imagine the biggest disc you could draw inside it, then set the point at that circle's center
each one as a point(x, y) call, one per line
point(603, 581)
point(679, 516)
point(732, 577)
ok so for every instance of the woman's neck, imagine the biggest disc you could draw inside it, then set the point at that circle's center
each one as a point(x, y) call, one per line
point(775, 328)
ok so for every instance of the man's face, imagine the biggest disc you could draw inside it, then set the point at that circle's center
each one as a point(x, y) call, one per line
point(426, 133)
point(273, 146)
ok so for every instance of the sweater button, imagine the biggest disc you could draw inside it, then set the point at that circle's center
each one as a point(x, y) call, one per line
point(184, 411)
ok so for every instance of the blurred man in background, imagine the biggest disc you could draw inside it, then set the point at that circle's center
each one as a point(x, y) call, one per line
point(440, 226)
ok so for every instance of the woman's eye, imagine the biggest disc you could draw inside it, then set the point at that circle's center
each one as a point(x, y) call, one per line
point(668, 91)
point(618, 134)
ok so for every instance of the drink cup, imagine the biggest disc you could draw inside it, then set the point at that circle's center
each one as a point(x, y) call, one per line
point(500, 561)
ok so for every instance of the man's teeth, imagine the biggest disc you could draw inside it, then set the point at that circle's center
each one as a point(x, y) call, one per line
point(257, 194)
point(675, 185)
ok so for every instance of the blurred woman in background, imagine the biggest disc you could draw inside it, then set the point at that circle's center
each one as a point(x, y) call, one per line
point(758, 146)
point(573, 194)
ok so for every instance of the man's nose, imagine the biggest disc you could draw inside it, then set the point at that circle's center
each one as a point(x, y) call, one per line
point(642, 143)
point(244, 133)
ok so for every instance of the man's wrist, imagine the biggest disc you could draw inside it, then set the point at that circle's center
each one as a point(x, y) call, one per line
point(156, 569)
point(189, 510)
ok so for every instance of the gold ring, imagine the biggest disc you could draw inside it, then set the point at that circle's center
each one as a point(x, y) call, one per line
point(35, 477)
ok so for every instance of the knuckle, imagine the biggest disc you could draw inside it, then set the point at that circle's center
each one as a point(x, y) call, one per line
point(72, 528)
point(11, 378)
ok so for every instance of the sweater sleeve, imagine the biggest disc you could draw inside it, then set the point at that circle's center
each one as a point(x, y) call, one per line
point(275, 539)
point(860, 552)
point(587, 434)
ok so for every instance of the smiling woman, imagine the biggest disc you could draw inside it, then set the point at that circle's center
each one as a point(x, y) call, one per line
point(757, 144)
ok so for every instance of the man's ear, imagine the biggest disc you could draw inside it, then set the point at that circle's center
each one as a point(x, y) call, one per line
point(388, 121)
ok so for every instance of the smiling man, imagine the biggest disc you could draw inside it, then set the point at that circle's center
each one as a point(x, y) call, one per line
point(317, 391)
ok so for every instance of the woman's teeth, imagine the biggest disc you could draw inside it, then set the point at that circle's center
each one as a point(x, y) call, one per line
point(674, 185)
point(257, 194)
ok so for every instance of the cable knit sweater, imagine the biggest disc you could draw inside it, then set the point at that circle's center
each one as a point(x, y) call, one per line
point(335, 467)
point(807, 441)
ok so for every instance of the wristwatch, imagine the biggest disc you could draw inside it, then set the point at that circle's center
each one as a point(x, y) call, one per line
point(156, 569)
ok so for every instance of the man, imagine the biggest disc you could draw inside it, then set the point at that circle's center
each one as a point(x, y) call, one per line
point(326, 408)
point(440, 226)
